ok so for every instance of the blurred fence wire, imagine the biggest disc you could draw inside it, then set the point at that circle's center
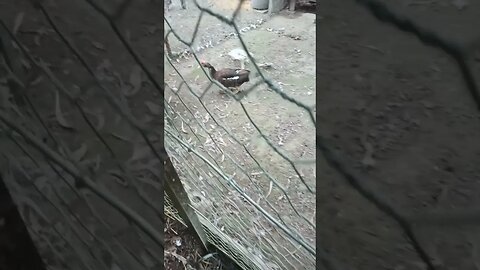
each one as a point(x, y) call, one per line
point(246, 208)
point(86, 204)
point(406, 221)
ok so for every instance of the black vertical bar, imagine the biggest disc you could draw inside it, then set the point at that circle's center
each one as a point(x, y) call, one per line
point(17, 250)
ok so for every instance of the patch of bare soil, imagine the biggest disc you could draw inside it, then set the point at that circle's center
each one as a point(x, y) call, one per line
point(283, 46)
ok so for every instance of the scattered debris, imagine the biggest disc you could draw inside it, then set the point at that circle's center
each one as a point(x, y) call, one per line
point(266, 65)
point(294, 37)
point(183, 251)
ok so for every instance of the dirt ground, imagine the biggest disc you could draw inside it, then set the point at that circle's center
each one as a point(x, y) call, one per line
point(400, 114)
point(286, 44)
point(102, 228)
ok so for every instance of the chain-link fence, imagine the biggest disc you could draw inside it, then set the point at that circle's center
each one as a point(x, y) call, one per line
point(79, 156)
point(86, 173)
point(252, 188)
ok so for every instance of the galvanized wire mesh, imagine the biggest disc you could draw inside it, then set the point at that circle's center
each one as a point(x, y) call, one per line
point(257, 205)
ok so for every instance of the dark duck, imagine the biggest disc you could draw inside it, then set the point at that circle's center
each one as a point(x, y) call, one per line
point(231, 78)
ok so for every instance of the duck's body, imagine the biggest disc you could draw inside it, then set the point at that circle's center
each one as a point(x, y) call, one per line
point(229, 77)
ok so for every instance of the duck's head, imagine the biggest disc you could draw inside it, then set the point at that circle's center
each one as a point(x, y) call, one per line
point(205, 64)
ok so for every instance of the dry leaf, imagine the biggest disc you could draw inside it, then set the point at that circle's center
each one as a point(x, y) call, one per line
point(101, 121)
point(120, 137)
point(18, 22)
point(25, 64)
point(177, 256)
point(58, 113)
point(155, 109)
point(280, 141)
point(119, 177)
point(80, 153)
point(135, 79)
point(104, 65)
point(139, 152)
point(183, 129)
point(368, 160)
point(36, 40)
point(98, 45)
point(36, 81)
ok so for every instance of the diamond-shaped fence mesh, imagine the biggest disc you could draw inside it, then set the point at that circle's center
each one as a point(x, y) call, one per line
point(252, 189)
point(82, 155)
